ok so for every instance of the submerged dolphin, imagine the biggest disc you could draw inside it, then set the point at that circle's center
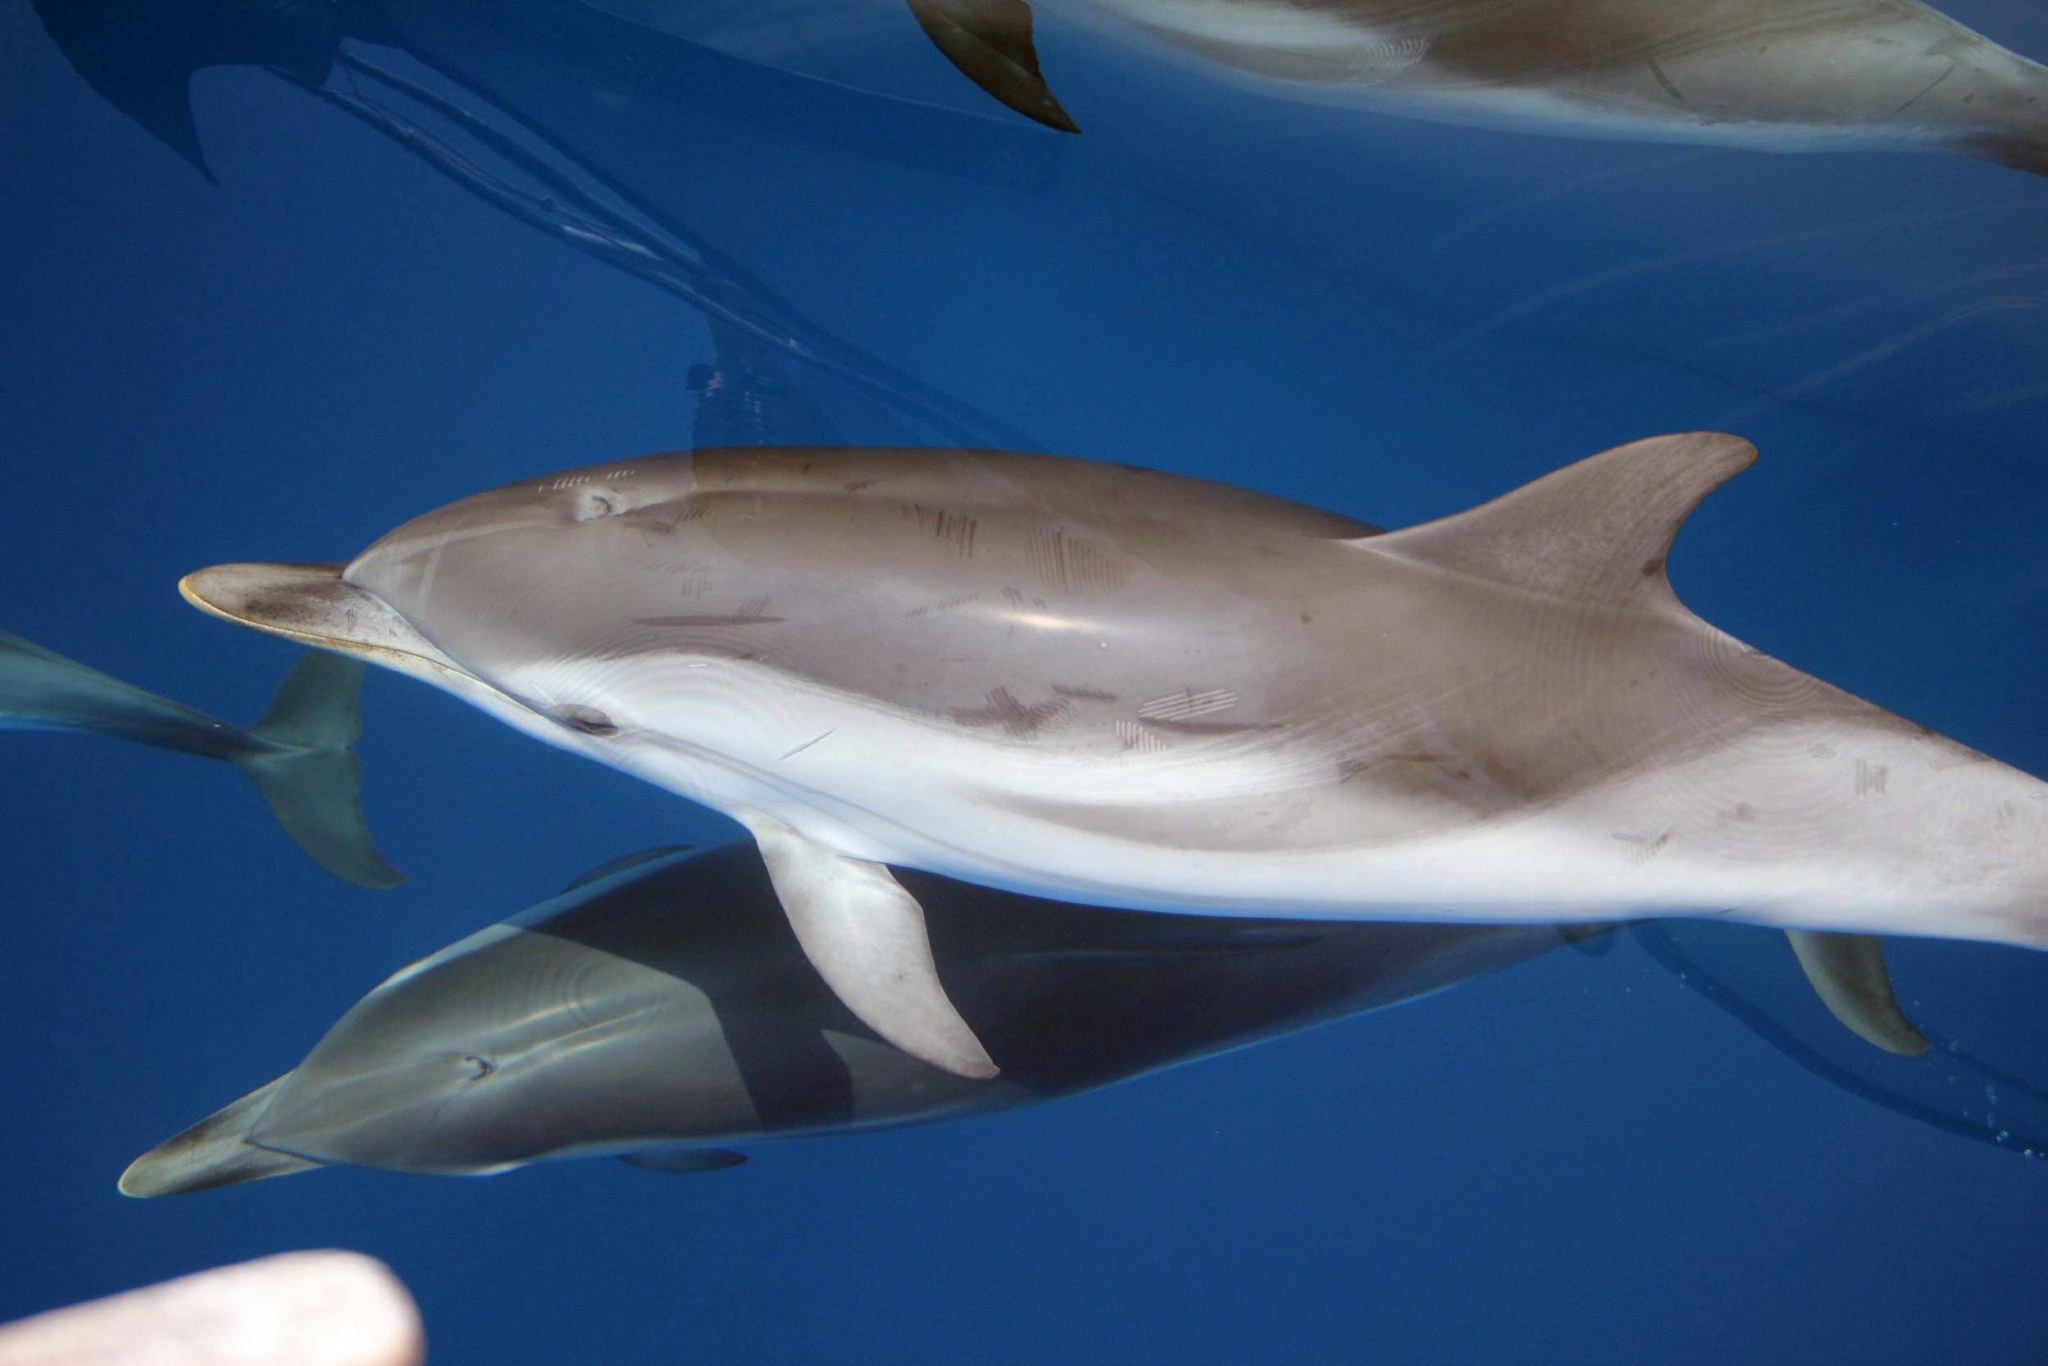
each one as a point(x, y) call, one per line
point(1128, 687)
point(605, 1021)
point(298, 755)
point(665, 1003)
point(1786, 75)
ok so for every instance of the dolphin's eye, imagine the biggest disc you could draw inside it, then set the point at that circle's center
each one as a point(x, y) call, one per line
point(484, 1067)
point(588, 720)
point(592, 504)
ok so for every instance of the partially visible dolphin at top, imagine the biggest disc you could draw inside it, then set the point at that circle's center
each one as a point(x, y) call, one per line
point(299, 755)
point(1783, 75)
point(1126, 687)
point(660, 1001)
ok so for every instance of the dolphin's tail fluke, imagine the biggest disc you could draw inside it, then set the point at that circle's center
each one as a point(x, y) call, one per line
point(212, 1153)
point(309, 774)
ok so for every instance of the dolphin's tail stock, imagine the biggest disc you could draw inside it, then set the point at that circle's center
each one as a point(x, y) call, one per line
point(308, 773)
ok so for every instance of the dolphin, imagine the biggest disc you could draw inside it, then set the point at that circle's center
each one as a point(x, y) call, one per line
point(1782, 75)
point(1126, 687)
point(660, 1002)
point(298, 755)
point(141, 58)
point(602, 1021)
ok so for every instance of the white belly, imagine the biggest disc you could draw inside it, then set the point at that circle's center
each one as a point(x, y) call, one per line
point(1819, 825)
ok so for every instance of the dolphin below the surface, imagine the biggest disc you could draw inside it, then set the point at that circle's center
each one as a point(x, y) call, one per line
point(1786, 75)
point(299, 755)
point(660, 1001)
point(1121, 686)
point(658, 1008)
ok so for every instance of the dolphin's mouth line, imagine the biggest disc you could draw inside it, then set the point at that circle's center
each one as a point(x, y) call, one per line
point(313, 605)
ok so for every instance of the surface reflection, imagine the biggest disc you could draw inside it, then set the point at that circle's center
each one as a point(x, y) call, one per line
point(1899, 289)
point(479, 140)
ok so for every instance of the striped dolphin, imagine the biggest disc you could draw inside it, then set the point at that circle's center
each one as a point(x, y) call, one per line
point(1127, 687)
point(299, 755)
point(659, 1008)
point(660, 1001)
point(1784, 75)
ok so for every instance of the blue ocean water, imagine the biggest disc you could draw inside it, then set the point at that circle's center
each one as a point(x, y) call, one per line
point(376, 305)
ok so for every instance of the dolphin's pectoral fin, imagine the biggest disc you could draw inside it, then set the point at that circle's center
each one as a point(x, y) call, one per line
point(866, 937)
point(1848, 972)
point(684, 1159)
point(990, 42)
point(1595, 532)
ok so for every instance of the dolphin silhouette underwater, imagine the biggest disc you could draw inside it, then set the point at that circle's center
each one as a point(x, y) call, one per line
point(299, 755)
point(1785, 75)
point(660, 1002)
point(658, 1008)
point(1126, 687)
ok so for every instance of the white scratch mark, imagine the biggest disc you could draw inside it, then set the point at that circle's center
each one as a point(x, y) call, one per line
point(1187, 704)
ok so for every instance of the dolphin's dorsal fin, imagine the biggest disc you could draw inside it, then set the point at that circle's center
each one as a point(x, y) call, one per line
point(1594, 532)
point(990, 42)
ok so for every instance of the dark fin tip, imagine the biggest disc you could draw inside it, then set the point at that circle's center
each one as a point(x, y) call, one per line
point(990, 43)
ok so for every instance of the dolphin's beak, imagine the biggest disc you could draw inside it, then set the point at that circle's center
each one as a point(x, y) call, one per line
point(308, 603)
point(215, 1152)
point(312, 605)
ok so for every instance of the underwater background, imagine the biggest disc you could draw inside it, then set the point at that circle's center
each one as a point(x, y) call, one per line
point(497, 240)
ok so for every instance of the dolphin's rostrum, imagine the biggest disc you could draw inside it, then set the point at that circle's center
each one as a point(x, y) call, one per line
point(1128, 687)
